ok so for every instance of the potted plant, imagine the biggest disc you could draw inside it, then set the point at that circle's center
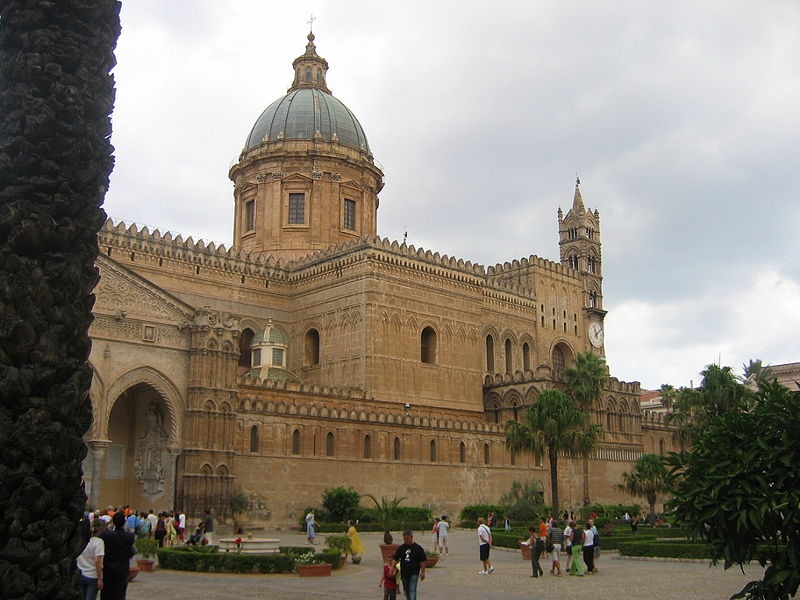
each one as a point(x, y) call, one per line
point(238, 503)
point(387, 509)
point(312, 565)
point(433, 558)
point(341, 543)
point(147, 547)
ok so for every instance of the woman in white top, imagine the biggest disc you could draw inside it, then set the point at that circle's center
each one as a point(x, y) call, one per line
point(90, 562)
point(444, 530)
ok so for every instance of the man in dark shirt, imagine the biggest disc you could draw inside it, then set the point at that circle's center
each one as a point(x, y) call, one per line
point(119, 550)
point(409, 558)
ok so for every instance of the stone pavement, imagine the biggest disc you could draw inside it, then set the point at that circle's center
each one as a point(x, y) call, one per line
point(456, 578)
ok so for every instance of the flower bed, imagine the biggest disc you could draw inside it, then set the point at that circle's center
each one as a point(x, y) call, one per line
point(187, 558)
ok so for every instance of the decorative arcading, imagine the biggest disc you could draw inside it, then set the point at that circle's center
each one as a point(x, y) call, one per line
point(325, 409)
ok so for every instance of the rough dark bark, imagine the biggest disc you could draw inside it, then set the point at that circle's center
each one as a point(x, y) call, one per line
point(56, 95)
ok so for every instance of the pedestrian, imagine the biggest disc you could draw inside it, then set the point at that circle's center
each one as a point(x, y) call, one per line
point(596, 545)
point(389, 582)
point(181, 524)
point(310, 533)
point(555, 538)
point(435, 533)
point(543, 528)
point(161, 529)
point(153, 519)
point(484, 543)
point(444, 531)
point(411, 559)
point(537, 548)
point(208, 528)
point(116, 562)
point(588, 548)
point(507, 524)
point(144, 527)
point(356, 547)
point(90, 562)
point(576, 566)
point(635, 524)
point(568, 543)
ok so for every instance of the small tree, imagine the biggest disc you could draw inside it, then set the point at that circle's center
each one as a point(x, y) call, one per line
point(524, 501)
point(739, 489)
point(238, 503)
point(341, 502)
point(553, 425)
point(648, 478)
point(387, 511)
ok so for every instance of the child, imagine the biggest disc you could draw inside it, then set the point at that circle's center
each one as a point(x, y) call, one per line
point(389, 583)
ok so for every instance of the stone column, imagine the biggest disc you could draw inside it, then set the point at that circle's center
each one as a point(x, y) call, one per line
point(97, 450)
point(171, 482)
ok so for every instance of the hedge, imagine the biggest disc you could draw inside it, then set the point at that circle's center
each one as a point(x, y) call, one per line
point(505, 540)
point(339, 528)
point(670, 549)
point(186, 558)
point(470, 513)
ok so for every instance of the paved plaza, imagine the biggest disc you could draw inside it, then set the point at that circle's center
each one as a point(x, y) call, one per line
point(456, 578)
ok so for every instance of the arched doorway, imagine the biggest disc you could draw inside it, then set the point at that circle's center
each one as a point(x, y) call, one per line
point(139, 467)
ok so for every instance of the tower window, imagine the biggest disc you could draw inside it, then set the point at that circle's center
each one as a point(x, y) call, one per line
point(308, 74)
point(277, 357)
point(509, 362)
point(428, 346)
point(256, 362)
point(297, 209)
point(349, 214)
point(490, 353)
point(250, 215)
point(254, 438)
point(312, 347)
point(526, 356)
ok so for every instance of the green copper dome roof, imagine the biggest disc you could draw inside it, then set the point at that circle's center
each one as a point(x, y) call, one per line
point(307, 114)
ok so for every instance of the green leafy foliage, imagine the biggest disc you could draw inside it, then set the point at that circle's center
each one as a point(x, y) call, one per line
point(238, 502)
point(739, 488)
point(202, 559)
point(341, 503)
point(554, 424)
point(147, 547)
point(649, 477)
point(341, 543)
point(524, 502)
point(470, 513)
point(387, 510)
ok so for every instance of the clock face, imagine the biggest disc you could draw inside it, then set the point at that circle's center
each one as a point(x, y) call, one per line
point(596, 334)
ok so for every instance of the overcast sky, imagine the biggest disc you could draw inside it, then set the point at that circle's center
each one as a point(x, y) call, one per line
point(681, 118)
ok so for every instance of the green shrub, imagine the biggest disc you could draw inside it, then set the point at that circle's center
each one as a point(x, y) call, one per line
point(340, 543)
point(470, 513)
point(503, 540)
point(367, 527)
point(671, 549)
point(341, 503)
point(185, 558)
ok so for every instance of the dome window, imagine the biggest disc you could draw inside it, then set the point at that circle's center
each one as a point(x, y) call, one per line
point(349, 214)
point(297, 209)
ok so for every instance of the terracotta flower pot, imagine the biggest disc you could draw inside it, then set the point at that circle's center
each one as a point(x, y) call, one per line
point(431, 562)
point(321, 570)
point(387, 550)
point(145, 564)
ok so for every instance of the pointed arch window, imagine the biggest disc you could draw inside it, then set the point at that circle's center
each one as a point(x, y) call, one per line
point(462, 452)
point(245, 352)
point(490, 353)
point(254, 438)
point(558, 361)
point(367, 446)
point(296, 441)
point(487, 458)
point(526, 357)
point(509, 361)
point(330, 444)
point(433, 450)
point(397, 449)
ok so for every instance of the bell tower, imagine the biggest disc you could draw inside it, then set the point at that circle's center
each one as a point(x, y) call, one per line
point(580, 249)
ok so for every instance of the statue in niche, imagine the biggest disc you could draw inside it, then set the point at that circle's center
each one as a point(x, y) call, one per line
point(149, 461)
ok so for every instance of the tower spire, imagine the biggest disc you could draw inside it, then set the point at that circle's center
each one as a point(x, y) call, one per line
point(310, 68)
point(577, 201)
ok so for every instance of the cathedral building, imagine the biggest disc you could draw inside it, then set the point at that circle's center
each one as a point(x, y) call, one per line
point(313, 353)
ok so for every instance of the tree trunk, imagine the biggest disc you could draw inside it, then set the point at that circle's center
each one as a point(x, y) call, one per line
point(553, 456)
point(56, 95)
point(586, 500)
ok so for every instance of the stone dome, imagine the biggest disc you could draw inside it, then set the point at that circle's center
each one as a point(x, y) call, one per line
point(306, 114)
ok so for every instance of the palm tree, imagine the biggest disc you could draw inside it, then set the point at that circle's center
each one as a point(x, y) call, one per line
point(585, 380)
point(553, 425)
point(386, 509)
point(648, 478)
point(56, 95)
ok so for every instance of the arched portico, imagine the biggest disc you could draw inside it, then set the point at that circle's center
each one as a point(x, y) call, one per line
point(135, 442)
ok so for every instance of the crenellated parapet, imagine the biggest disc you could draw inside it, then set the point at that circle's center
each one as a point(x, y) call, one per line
point(120, 237)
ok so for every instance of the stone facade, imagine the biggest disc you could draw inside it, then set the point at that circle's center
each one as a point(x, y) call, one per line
point(314, 353)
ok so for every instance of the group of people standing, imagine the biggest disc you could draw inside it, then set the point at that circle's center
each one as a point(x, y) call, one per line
point(580, 543)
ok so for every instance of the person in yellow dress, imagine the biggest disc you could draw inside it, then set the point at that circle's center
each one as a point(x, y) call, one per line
point(356, 547)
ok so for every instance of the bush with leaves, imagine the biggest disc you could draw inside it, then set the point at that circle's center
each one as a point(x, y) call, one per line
point(524, 502)
point(341, 503)
point(739, 489)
